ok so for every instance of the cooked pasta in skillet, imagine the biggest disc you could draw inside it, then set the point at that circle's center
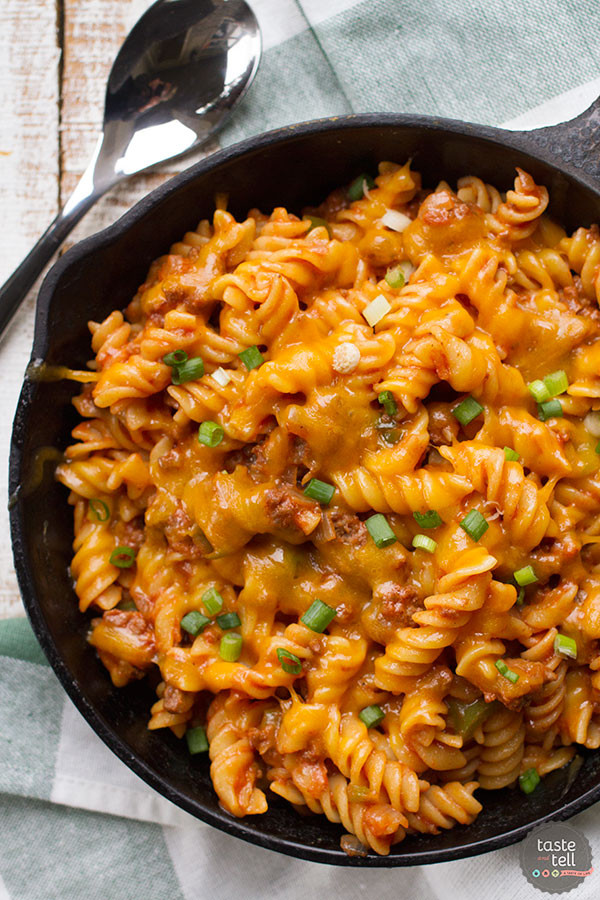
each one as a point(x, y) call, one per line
point(338, 478)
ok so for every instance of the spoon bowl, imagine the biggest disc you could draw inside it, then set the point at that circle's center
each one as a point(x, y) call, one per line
point(179, 74)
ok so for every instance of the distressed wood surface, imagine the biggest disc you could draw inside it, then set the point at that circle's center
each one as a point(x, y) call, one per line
point(29, 173)
point(56, 59)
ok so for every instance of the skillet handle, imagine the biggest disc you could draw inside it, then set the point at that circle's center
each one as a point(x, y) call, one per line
point(576, 142)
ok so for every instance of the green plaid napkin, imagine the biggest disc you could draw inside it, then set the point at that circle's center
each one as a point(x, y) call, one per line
point(74, 821)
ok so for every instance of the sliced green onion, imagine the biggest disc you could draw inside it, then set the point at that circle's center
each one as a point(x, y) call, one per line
point(289, 663)
point(506, 672)
point(538, 390)
point(598, 447)
point(521, 597)
point(423, 542)
point(379, 529)
point(212, 600)
point(230, 647)
point(467, 410)
point(251, 357)
point(525, 576)
point(356, 189)
point(529, 780)
point(196, 740)
point(317, 222)
point(511, 454)
point(556, 383)
point(188, 371)
point(100, 509)
point(466, 717)
point(221, 376)
point(390, 436)
point(565, 646)
point(126, 606)
point(211, 434)
point(387, 400)
point(194, 622)
point(429, 519)
point(371, 715)
point(228, 620)
point(474, 524)
point(122, 557)
point(549, 410)
point(318, 616)
point(376, 310)
point(319, 490)
point(395, 277)
point(175, 358)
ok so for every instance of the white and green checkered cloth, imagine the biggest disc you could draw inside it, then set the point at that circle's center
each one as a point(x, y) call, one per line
point(75, 823)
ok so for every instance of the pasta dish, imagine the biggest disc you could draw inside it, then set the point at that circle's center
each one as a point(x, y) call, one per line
point(336, 488)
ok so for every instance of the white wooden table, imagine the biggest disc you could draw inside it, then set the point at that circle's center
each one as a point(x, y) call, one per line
point(56, 55)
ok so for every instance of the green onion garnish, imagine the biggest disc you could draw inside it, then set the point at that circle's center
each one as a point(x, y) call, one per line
point(126, 605)
point(319, 490)
point(423, 542)
point(511, 454)
point(371, 715)
point(390, 436)
point(386, 398)
point(318, 616)
point(228, 620)
point(289, 663)
point(188, 371)
point(466, 717)
point(539, 391)
point(525, 576)
point(194, 622)
point(212, 600)
point(550, 409)
point(211, 434)
point(196, 740)
point(598, 447)
point(395, 277)
point(467, 410)
point(379, 529)
point(504, 670)
point(521, 597)
point(565, 646)
point(429, 519)
point(100, 509)
point(252, 358)
point(122, 557)
point(529, 780)
point(317, 222)
point(175, 358)
point(556, 383)
point(230, 646)
point(356, 189)
point(474, 524)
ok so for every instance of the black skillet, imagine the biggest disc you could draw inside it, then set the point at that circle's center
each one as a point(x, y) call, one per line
point(293, 167)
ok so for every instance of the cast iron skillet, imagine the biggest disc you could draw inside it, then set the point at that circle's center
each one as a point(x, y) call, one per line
point(294, 166)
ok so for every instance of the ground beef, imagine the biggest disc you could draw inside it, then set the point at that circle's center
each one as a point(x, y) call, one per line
point(290, 510)
point(399, 602)
point(176, 701)
point(348, 528)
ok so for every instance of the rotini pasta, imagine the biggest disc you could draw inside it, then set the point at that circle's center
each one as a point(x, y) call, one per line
point(338, 478)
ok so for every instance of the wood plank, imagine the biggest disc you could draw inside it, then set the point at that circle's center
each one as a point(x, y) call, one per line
point(28, 200)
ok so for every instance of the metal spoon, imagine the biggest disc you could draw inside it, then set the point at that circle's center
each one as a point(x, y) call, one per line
point(182, 69)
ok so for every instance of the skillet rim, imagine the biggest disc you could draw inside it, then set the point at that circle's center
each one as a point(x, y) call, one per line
point(506, 140)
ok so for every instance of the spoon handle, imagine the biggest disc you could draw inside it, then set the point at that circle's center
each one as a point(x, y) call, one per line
point(89, 188)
